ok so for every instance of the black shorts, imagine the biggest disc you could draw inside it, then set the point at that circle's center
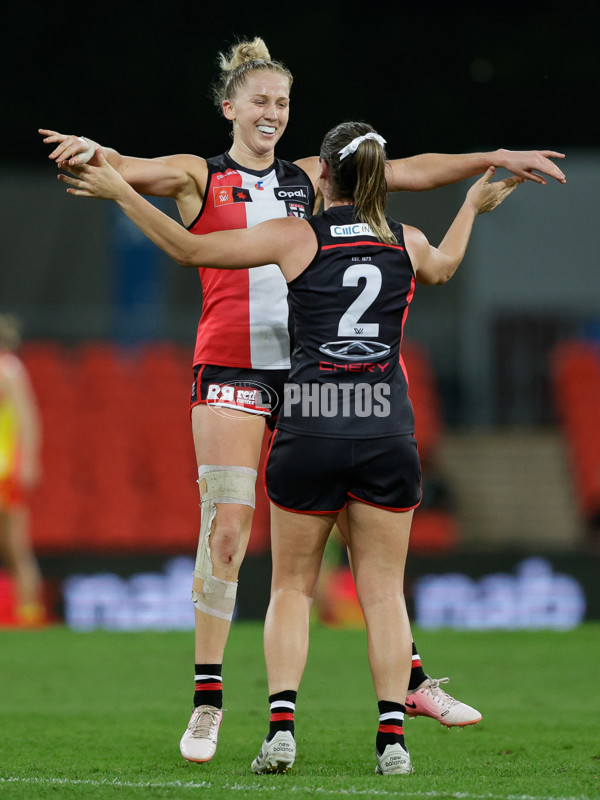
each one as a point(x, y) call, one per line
point(312, 475)
point(251, 390)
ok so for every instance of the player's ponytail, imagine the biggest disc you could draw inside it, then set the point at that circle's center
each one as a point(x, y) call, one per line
point(356, 157)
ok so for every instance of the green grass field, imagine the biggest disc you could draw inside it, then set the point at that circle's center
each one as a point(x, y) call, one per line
point(100, 715)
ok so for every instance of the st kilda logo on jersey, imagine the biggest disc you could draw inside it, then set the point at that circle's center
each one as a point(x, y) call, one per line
point(224, 195)
point(352, 350)
point(295, 198)
point(296, 210)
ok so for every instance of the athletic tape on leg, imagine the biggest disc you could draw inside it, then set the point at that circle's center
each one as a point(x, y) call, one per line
point(223, 485)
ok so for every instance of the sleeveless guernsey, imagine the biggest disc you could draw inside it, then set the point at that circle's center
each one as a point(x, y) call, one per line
point(244, 321)
point(348, 309)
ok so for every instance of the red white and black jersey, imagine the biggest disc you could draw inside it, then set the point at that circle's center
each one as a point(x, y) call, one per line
point(244, 320)
point(348, 309)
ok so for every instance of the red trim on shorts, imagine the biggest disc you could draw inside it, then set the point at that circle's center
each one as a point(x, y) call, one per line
point(197, 403)
point(385, 508)
point(296, 511)
point(333, 511)
point(391, 729)
point(199, 400)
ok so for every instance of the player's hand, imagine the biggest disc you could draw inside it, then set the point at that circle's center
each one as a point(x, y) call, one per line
point(95, 179)
point(527, 164)
point(484, 195)
point(68, 147)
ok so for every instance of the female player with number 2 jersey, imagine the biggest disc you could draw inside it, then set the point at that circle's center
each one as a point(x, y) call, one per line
point(344, 439)
point(242, 350)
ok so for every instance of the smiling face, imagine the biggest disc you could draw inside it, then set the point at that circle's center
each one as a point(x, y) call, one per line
point(259, 112)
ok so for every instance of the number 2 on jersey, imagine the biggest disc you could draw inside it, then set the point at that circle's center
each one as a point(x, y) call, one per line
point(350, 324)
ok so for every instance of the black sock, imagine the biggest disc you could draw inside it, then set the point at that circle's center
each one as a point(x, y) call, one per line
point(417, 674)
point(208, 687)
point(283, 705)
point(391, 721)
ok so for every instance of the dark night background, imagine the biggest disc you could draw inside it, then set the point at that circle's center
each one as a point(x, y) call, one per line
point(455, 77)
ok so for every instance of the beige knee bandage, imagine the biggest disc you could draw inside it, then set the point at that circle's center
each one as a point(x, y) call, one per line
point(223, 485)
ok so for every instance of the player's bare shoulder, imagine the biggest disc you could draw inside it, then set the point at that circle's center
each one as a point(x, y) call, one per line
point(310, 165)
point(190, 167)
point(417, 245)
point(183, 177)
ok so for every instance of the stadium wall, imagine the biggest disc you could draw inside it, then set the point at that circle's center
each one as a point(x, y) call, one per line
point(74, 269)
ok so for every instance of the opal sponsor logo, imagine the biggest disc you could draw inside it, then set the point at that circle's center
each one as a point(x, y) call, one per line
point(297, 193)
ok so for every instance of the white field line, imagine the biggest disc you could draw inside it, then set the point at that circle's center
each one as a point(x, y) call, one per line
point(289, 788)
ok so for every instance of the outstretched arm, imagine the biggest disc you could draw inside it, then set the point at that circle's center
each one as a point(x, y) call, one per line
point(182, 177)
point(432, 170)
point(438, 264)
point(288, 242)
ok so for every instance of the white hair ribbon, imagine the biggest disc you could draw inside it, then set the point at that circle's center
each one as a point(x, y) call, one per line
point(353, 146)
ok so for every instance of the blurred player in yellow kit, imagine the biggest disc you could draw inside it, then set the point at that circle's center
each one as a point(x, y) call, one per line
point(20, 434)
